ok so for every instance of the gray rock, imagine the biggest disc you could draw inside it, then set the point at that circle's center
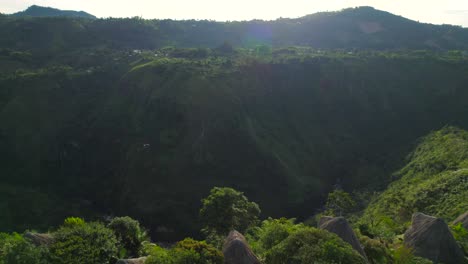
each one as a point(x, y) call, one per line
point(431, 238)
point(236, 250)
point(132, 261)
point(341, 227)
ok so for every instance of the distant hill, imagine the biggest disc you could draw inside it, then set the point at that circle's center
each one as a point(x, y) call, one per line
point(40, 11)
point(350, 29)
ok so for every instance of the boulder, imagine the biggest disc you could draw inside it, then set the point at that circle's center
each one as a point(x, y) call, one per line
point(237, 251)
point(463, 219)
point(132, 261)
point(341, 227)
point(39, 239)
point(431, 238)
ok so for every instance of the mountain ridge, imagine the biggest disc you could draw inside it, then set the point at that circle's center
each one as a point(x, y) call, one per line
point(42, 11)
point(349, 29)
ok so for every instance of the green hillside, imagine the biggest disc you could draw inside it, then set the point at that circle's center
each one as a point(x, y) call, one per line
point(435, 182)
point(148, 133)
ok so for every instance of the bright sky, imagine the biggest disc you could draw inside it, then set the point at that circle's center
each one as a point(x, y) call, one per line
point(430, 11)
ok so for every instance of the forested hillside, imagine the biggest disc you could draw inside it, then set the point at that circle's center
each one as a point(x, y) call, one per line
point(358, 114)
point(147, 133)
point(349, 29)
point(40, 11)
point(434, 181)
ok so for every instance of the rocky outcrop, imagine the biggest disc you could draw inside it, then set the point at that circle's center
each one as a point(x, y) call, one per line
point(430, 238)
point(341, 227)
point(463, 219)
point(39, 239)
point(236, 250)
point(132, 261)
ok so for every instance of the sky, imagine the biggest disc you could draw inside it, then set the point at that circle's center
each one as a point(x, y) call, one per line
point(429, 11)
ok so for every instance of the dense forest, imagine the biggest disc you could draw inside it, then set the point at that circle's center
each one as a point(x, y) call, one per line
point(357, 113)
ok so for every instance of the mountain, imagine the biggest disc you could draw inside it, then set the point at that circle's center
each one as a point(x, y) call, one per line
point(349, 29)
point(40, 11)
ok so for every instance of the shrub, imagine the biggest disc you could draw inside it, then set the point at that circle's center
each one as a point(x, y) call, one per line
point(226, 209)
point(15, 249)
point(461, 235)
point(207, 253)
point(129, 234)
point(83, 244)
point(270, 233)
point(311, 245)
point(339, 202)
point(73, 221)
point(187, 251)
point(404, 255)
point(157, 254)
point(376, 251)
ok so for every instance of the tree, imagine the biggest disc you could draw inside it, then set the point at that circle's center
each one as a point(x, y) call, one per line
point(226, 209)
point(87, 243)
point(339, 202)
point(15, 249)
point(129, 234)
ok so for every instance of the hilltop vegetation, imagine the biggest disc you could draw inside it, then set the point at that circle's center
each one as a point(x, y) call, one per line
point(40, 11)
point(349, 29)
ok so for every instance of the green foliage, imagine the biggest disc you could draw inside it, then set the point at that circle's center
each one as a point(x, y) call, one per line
point(143, 121)
point(339, 203)
point(461, 235)
point(201, 252)
point(73, 222)
point(87, 243)
point(157, 254)
point(129, 233)
point(376, 251)
point(14, 249)
point(404, 255)
point(381, 226)
point(459, 232)
point(434, 182)
point(270, 233)
point(226, 209)
point(187, 251)
point(311, 245)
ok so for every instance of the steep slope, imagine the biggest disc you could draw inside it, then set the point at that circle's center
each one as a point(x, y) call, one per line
point(146, 135)
point(350, 29)
point(435, 181)
point(40, 11)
